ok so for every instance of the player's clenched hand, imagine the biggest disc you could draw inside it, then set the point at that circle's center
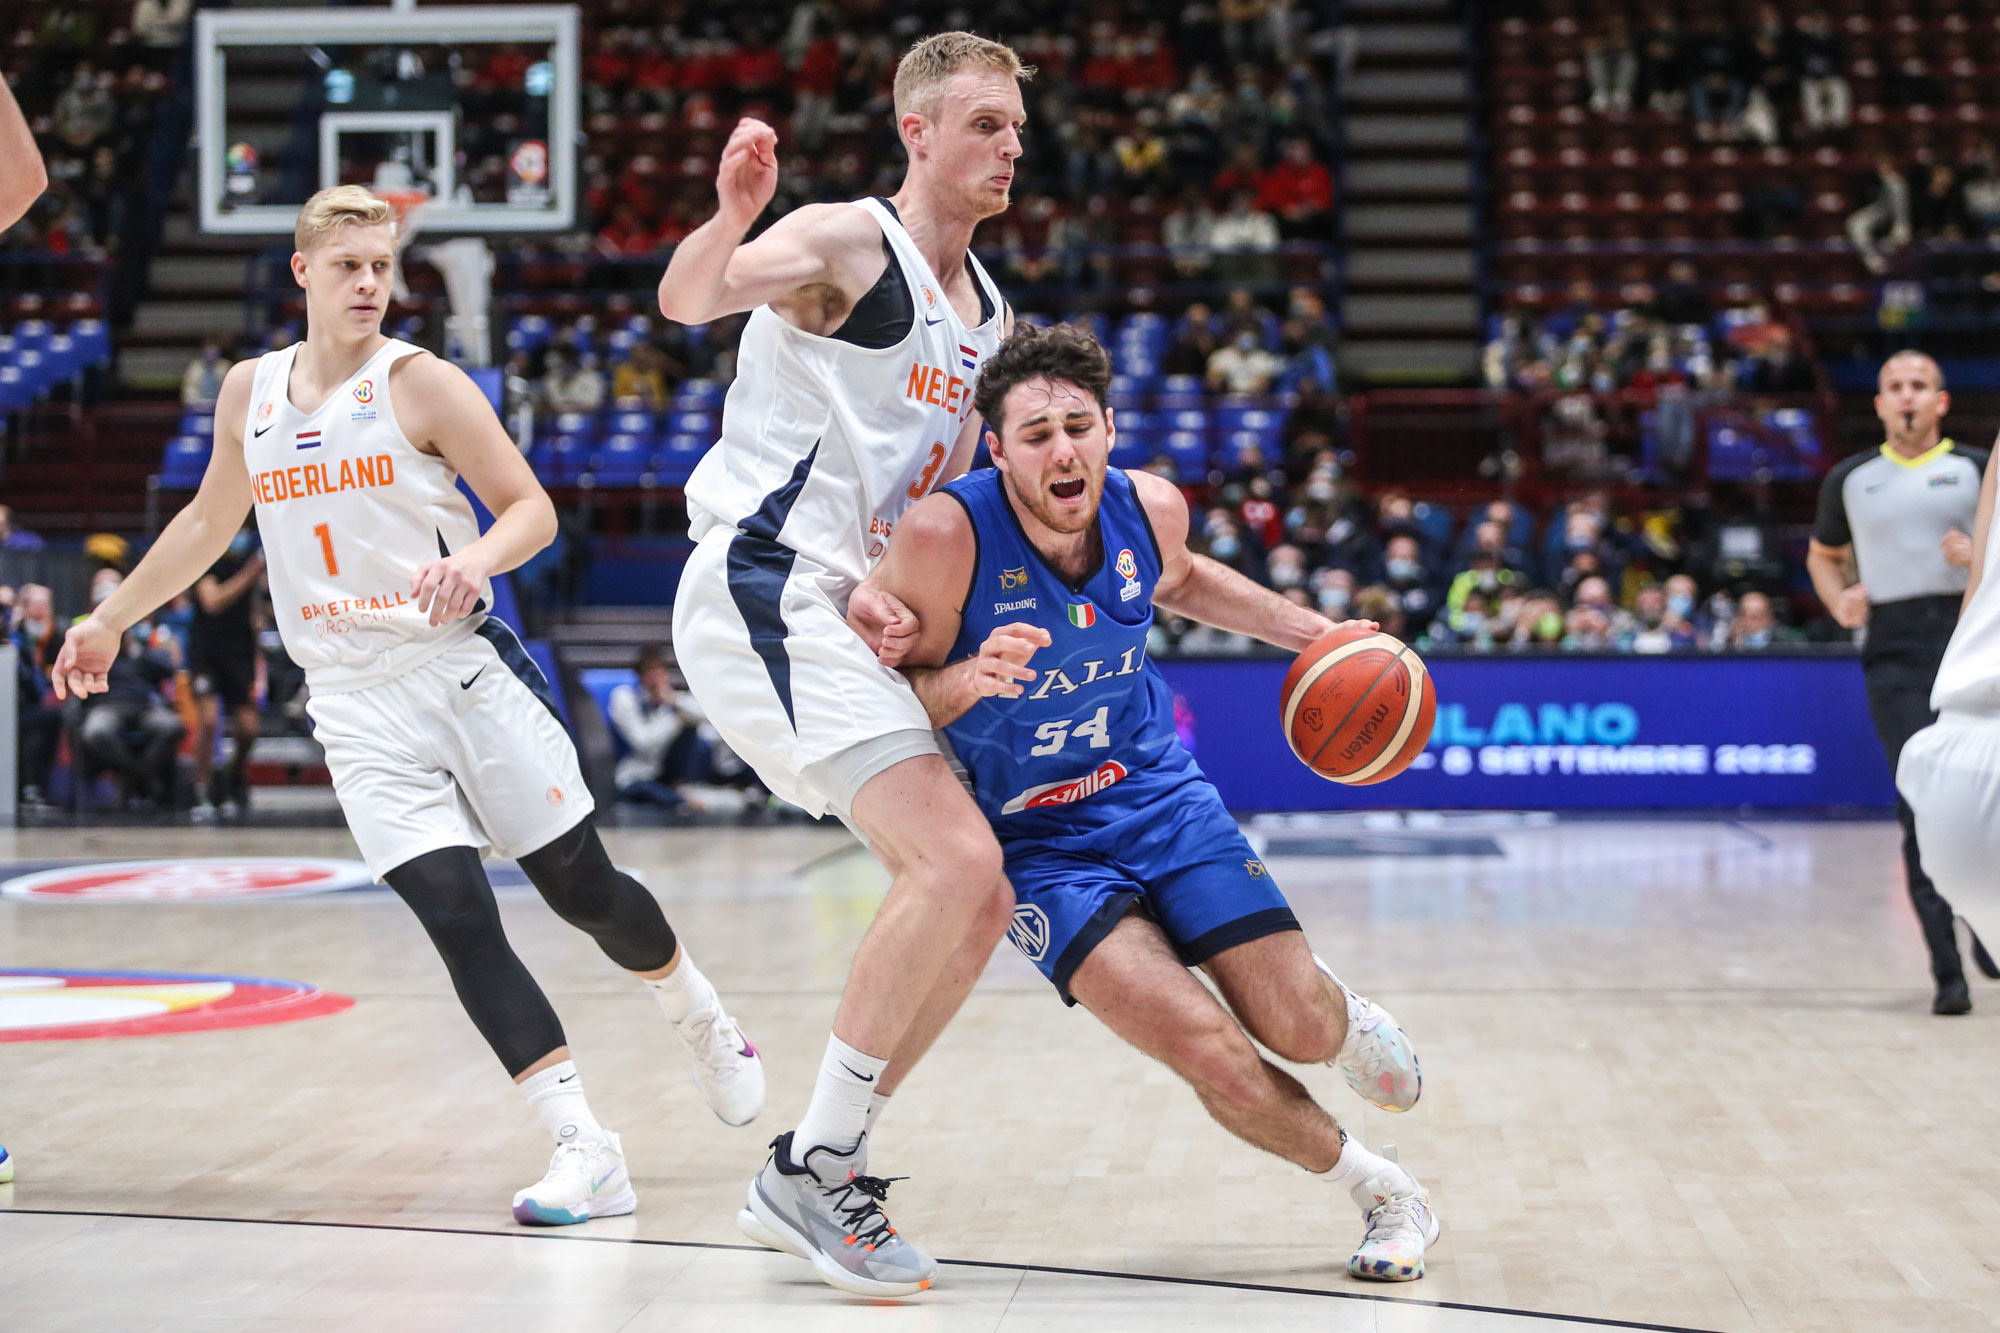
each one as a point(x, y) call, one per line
point(88, 651)
point(1003, 660)
point(747, 175)
point(449, 588)
point(1851, 607)
point(885, 624)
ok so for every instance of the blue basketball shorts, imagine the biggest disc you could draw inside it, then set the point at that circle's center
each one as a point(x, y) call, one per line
point(1179, 858)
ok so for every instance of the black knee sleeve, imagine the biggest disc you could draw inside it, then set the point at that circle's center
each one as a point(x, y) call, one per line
point(449, 892)
point(575, 875)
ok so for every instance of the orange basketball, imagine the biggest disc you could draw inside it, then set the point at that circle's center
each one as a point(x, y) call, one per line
point(1358, 707)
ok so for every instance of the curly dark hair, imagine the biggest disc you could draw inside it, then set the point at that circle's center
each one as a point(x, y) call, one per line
point(1063, 352)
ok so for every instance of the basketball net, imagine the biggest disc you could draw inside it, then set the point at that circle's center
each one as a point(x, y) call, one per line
point(409, 205)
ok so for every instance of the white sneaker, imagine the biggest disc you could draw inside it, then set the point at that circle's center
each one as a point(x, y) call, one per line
point(586, 1179)
point(1376, 1058)
point(1401, 1226)
point(203, 811)
point(727, 1068)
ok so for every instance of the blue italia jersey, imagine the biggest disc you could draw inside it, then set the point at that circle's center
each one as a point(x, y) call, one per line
point(1092, 738)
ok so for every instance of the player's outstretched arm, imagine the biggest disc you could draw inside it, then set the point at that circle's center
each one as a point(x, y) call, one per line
point(442, 411)
point(1982, 526)
point(191, 543)
point(22, 175)
point(1206, 590)
point(928, 569)
point(713, 273)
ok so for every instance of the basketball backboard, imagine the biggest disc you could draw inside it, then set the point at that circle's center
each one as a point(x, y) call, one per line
point(475, 106)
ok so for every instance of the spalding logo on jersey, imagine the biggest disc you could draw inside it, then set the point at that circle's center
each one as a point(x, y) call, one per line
point(1068, 791)
point(1030, 931)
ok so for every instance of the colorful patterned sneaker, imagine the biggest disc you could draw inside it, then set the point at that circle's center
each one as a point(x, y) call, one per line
point(727, 1068)
point(1376, 1057)
point(586, 1179)
point(6, 1168)
point(824, 1213)
point(1401, 1226)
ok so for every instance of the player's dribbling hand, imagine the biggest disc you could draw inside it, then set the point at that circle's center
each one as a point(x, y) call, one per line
point(448, 588)
point(747, 175)
point(1003, 660)
point(885, 624)
point(85, 661)
point(1850, 609)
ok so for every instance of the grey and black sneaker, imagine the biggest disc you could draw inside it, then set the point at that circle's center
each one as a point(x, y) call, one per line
point(822, 1211)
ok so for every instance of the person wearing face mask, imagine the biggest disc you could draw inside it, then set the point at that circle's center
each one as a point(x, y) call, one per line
point(222, 662)
point(1242, 365)
point(38, 719)
point(1405, 577)
point(129, 727)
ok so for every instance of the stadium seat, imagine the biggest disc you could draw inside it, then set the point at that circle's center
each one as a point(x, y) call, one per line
point(198, 423)
point(1131, 448)
point(578, 426)
point(185, 461)
point(699, 396)
point(692, 423)
point(1190, 454)
point(625, 460)
point(676, 461)
point(558, 459)
point(632, 423)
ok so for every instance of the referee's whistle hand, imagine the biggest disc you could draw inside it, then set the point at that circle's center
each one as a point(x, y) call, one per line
point(1851, 607)
point(1957, 549)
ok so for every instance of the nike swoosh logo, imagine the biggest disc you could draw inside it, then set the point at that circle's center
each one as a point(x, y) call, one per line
point(566, 1078)
point(598, 1183)
point(258, 434)
point(938, 320)
point(865, 1078)
point(466, 684)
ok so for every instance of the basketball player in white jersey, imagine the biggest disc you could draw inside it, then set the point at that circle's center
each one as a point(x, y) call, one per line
point(1950, 771)
point(853, 399)
point(440, 732)
point(22, 180)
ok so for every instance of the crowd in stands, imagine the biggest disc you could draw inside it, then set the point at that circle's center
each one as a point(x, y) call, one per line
point(1199, 134)
point(1590, 579)
point(201, 668)
point(91, 79)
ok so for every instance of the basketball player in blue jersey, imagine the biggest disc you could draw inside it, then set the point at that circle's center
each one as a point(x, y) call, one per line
point(852, 400)
point(1126, 868)
point(440, 732)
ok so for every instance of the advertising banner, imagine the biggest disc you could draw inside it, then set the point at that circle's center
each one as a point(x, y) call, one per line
point(1514, 733)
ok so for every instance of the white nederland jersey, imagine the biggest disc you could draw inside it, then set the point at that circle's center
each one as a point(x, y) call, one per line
point(825, 443)
point(347, 509)
point(1968, 678)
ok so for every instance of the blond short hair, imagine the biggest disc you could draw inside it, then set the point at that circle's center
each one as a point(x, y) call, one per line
point(1910, 354)
point(928, 66)
point(343, 205)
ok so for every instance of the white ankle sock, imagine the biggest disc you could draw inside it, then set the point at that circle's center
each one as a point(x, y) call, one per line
point(683, 990)
point(837, 1116)
point(556, 1093)
point(1356, 1167)
point(878, 1102)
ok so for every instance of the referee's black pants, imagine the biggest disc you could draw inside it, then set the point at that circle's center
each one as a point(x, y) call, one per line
point(1906, 641)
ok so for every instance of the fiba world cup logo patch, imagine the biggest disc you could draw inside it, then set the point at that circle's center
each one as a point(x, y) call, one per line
point(1127, 566)
point(364, 392)
point(1030, 931)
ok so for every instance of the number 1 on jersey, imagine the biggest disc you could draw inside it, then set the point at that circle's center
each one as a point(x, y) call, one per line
point(325, 535)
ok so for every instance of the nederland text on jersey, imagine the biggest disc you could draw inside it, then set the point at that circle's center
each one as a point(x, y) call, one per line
point(308, 479)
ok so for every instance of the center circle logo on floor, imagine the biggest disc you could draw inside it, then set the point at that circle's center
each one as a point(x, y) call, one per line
point(53, 1004)
point(190, 879)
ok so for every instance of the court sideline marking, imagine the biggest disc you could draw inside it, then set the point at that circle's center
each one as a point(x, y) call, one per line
point(1216, 1283)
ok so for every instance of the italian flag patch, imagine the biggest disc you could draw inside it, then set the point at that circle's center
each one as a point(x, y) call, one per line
point(1082, 614)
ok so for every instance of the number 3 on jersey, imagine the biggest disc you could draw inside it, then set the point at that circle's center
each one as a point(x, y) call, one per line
point(1054, 735)
point(921, 486)
point(325, 535)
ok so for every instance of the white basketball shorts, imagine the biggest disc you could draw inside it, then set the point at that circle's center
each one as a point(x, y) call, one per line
point(463, 750)
point(761, 634)
point(1950, 775)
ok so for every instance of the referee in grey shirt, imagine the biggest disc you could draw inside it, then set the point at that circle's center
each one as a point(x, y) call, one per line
point(1903, 515)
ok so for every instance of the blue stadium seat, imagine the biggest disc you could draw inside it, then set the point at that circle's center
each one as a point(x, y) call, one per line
point(1186, 419)
point(61, 359)
point(15, 390)
point(198, 423)
point(530, 333)
point(579, 425)
point(699, 396)
point(1234, 417)
point(625, 460)
point(598, 683)
point(1434, 521)
point(32, 334)
point(1230, 452)
point(185, 461)
point(692, 423)
point(1189, 451)
point(1131, 448)
point(1182, 384)
point(676, 461)
point(620, 343)
point(558, 459)
point(633, 423)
